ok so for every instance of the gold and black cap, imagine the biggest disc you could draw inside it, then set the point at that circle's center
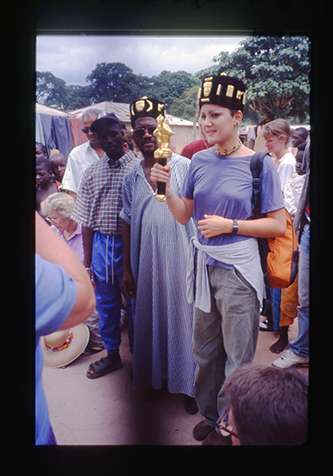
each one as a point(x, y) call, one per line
point(146, 107)
point(224, 91)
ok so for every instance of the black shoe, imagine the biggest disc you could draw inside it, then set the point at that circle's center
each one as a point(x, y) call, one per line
point(190, 405)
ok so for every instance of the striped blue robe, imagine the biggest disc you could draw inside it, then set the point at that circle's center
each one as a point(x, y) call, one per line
point(162, 316)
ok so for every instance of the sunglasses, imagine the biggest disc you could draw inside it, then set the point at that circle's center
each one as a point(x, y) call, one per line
point(139, 133)
point(85, 130)
point(223, 425)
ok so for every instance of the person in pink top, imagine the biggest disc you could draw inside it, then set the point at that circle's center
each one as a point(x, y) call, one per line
point(190, 149)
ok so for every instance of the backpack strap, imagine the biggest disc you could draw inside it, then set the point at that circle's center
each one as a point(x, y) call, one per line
point(256, 167)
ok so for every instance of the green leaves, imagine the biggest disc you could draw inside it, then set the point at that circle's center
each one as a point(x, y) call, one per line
point(276, 72)
point(112, 82)
point(274, 68)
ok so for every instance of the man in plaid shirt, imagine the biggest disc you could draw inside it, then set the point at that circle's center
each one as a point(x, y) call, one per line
point(97, 209)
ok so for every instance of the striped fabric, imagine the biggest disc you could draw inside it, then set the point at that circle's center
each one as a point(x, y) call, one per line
point(100, 200)
point(162, 316)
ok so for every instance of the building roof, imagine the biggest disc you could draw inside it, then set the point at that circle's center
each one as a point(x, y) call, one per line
point(121, 110)
point(41, 109)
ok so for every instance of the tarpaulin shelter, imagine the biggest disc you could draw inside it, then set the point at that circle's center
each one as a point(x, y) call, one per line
point(62, 130)
point(58, 129)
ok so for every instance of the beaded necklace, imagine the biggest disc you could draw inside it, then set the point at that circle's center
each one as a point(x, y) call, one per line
point(228, 152)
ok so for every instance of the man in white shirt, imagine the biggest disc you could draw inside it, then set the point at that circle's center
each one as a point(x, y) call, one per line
point(82, 156)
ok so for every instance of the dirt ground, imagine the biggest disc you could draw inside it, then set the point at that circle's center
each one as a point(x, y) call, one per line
point(107, 411)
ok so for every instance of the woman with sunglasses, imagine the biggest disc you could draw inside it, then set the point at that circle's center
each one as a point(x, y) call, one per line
point(227, 284)
point(162, 355)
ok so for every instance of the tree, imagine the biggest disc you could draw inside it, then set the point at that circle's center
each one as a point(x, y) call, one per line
point(50, 90)
point(169, 86)
point(185, 105)
point(77, 97)
point(276, 72)
point(115, 82)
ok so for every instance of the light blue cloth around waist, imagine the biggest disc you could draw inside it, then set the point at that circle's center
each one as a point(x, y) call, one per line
point(243, 255)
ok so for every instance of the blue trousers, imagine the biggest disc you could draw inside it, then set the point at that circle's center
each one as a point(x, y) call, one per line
point(300, 345)
point(107, 264)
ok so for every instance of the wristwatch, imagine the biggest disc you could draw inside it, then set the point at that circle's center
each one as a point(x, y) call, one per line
point(235, 227)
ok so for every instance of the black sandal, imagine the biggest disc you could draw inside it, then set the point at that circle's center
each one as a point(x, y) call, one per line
point(104, 366)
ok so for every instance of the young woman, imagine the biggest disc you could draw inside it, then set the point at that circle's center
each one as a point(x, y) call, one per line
point(277, 135)
point(228, 288)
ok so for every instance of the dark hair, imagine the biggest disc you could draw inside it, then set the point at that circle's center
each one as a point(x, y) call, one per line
point(269, 405)
point(46, 162)
point(302, 131)
point(43, 148)
point(58, 155)
point(233, 111)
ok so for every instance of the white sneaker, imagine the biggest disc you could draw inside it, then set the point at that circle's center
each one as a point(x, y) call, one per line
point(288, 358)
point(123, 316)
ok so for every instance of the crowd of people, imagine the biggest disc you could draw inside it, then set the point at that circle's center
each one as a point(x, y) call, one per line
point(186, 273)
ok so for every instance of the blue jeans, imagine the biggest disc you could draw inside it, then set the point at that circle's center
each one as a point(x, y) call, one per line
point(224, 338)
point(107, 263)
point(300, 345)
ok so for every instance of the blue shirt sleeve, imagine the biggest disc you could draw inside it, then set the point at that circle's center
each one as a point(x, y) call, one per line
point(56, 294)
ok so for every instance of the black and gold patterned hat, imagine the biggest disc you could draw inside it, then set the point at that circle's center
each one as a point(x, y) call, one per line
point(224, 91)
point(144, 107)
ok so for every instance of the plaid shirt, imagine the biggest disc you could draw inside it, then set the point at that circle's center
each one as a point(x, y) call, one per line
point(100, 197)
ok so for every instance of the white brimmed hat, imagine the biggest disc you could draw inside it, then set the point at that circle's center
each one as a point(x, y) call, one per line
point(63, 347)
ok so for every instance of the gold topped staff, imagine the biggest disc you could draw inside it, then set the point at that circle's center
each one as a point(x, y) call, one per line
point(162, 134)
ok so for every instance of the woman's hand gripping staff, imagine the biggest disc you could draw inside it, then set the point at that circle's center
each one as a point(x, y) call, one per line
point(181, 208)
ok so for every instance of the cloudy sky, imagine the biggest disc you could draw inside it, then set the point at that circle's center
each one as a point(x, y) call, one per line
point(72, 58)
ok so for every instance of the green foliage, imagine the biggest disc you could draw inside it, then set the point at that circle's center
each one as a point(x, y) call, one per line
point(276, 72)
point(115, 82)
point(78, 96)
point(50, 90)
point(112, 82)
point(185, 105)
point(274, 68)
point(169, 86)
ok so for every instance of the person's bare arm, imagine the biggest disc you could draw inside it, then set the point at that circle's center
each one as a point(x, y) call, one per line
point(52, 248)
point(181, 208)
point(127, 282)
point(88, 238)
point(269, 227)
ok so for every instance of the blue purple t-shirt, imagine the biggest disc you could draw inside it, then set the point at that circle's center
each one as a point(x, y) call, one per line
point(223, 186)
point(56, 294)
